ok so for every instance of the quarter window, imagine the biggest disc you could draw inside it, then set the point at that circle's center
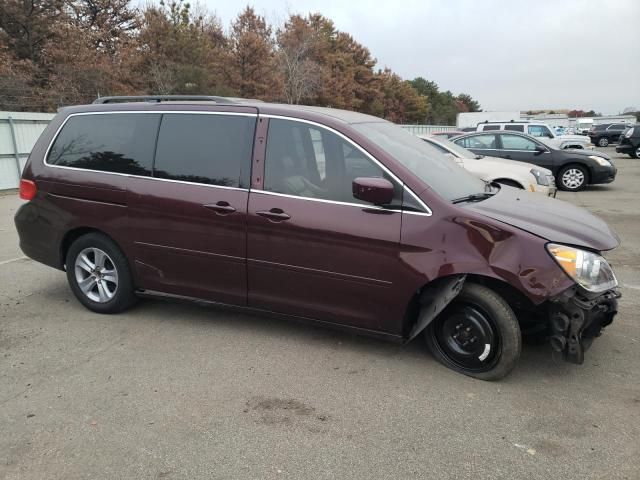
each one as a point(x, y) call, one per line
point(205, 148)
point(308, 161)
point(516, 142)
point(115, 142)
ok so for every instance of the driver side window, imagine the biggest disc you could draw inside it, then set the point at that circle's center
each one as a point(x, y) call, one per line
point(304, 160)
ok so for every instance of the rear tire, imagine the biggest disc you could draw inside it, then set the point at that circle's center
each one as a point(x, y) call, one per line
point(635, 153)
point(99, 275)
point(603, 142)
point(477, 334)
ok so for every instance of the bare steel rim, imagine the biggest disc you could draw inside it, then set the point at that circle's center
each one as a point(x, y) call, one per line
point(96, 275)
point(573, 178)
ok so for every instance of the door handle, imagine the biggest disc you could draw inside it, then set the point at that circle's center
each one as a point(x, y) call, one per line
point(508, 156)
point(274, 215)
point(221, 207)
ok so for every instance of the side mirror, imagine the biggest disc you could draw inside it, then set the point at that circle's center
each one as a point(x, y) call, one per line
point(376, 190)
point(540, 149)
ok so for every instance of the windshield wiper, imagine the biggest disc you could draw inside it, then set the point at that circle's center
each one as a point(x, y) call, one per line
point(474, 197)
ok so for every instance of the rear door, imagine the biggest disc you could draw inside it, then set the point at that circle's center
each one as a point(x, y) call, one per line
point(313, 249)
point(615, 130)
point(188, 221)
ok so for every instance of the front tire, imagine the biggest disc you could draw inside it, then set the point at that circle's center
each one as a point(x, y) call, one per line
point(99, 275)
point(635, 153)
point(603, 142)
point(477, 334)
point(572, 178)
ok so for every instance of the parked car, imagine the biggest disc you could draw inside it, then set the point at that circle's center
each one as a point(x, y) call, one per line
point(539, 130)
point(606, 133)
point(449, 134)
point(324, 215)
point(492, 169)
point(573, 169)
point(630, 142)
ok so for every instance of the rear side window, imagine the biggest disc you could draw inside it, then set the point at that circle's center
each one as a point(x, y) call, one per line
point(490, 127)
point(514, 128)
point(118, 142)
point(477, 142)
point(205, 148)
point(539, 131)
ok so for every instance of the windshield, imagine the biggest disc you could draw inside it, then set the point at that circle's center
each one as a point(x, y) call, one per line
point(424, 160)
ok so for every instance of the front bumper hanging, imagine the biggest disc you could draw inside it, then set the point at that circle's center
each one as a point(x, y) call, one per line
point(577, 318)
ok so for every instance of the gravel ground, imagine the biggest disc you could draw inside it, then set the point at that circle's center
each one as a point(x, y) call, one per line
point(179, 391)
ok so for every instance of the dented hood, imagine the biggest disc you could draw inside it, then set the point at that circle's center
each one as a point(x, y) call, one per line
point(549, 218)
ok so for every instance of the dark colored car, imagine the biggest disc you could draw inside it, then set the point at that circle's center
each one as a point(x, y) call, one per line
point(574, 169)
point(324, 215)
point(630, 142)
point(606, 133)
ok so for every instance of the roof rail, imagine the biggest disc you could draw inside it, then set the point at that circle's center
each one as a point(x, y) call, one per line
point(164, 98)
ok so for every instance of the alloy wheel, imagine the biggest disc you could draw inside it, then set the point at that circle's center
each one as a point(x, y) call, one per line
point(96, 275)
point(603, 142)
point(573, 178)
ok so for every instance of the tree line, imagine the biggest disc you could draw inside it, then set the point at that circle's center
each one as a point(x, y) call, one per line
point(64, 52)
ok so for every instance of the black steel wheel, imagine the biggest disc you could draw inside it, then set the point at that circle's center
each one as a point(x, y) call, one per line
point(477, 334)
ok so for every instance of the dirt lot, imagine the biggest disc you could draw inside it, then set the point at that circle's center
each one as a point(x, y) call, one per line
point(179, 391)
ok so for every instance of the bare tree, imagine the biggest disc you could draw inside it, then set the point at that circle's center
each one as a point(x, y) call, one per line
point(297, 44)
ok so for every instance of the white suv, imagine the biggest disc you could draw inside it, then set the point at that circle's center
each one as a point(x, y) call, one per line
point(541, 131)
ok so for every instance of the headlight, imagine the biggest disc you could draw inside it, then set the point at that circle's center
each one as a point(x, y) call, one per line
point(629, 133)
point(587, 269)
point(602, 161)
point(541, 177)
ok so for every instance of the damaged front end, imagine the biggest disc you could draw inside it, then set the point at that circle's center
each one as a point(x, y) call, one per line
point(577, 317)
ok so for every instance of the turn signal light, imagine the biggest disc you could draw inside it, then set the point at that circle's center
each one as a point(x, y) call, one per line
point(28, 189)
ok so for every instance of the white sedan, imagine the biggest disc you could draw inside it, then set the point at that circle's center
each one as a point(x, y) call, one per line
point(506, 172)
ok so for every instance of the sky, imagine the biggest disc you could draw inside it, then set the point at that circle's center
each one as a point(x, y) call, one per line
point(507, 54)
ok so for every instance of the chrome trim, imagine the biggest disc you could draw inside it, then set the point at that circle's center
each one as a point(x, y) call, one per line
point(322, 200)
point(192, 183)
point(428, 211)
point(55, 136)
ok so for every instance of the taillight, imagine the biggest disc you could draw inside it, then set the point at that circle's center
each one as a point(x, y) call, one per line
point(28, 189)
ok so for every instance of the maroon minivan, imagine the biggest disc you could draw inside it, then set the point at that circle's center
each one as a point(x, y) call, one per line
point(315, 213)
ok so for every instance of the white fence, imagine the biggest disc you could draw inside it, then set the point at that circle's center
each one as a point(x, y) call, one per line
point(18, 133)
point(427, 129)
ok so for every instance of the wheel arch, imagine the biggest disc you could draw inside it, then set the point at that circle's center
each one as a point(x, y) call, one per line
point(509, 181)
point(72, 235)
point(516, 299)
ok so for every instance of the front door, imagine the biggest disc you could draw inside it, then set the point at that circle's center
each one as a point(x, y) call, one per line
point(312, 248)
point(188, 221)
